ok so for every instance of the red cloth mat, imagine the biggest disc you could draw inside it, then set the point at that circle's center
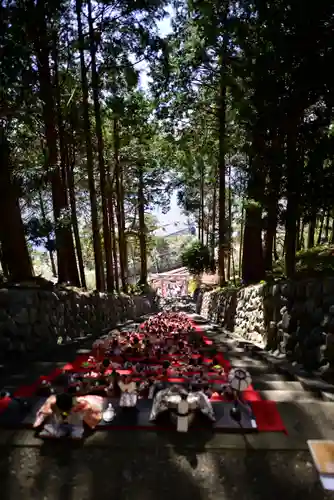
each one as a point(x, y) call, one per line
point(4, 402)
point(266, 413)
point(267, 417)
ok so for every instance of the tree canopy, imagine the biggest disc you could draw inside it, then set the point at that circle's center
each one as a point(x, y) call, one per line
point(103, 116)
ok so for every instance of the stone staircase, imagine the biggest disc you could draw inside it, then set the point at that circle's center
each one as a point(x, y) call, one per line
point(273, 379)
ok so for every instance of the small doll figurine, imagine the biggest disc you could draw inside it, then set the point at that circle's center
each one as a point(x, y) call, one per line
point(128, 389)
point(64, 415)
point(113, 389)
point(104, 366)
point(44, 390)
point(183, 414)
point(116, 351)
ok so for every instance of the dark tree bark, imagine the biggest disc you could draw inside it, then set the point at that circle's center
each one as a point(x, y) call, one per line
point(328, 219)
point(120, 209)
point(253, 269)
point(222, 171)
point(99, 273)
point(272, 208)
point(311, 230)
point(202, 218)
point(100, 150)
point(293, 196)
point(113, 237)
point(14, 249)
point(41, 40)
point(72, 275)
point(74, 217)
point(241, 241)
point(322, 220)
point(230, 248)
point(301, 244)
point(50, 251)
point(142, 227)
point(4, 267)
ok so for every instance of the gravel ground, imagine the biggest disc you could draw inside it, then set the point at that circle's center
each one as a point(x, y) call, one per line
point(57, 471)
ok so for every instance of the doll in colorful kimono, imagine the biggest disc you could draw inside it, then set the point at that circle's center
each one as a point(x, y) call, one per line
point(64, 415)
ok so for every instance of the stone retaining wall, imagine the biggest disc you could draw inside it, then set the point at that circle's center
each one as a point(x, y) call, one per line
point(293, 318)
point(33, 319)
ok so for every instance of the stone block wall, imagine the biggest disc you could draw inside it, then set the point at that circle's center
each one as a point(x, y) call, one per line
point(293, 318)
point(33, 319)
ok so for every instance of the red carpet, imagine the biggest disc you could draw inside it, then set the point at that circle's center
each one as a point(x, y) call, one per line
point(266, 413)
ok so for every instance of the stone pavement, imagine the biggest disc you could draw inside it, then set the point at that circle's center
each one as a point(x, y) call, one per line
point(61, 472)
point(136, 465)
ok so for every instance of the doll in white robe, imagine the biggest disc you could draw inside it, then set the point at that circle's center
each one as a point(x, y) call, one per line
point(129, 395)
point(184, 415)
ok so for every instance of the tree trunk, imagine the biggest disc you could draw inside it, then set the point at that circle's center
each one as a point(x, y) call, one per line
point(199, 223)
point(142, 227)
point(50, 251)
point(74, 217)
point(274, 155)
point(4, 267)
point(241, 238)
point(41, 41)
point(121, 227)
point(222, 171)
point(214, 212)
point(113, 238)
point(68, 252)
point(302, 236)
point(99, 273)
point(327, 226)
point(332, 232)
point(100, 149)
point(230, 247)
point(276, 256)
point(121, 193)
point(322, 220)
point(311, 230)
point(202, 201)
point(15, 255)
point(293, 182)
point(270, 234)
point(253, 269)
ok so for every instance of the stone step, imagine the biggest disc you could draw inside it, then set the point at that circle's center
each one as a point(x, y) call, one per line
point(311, 383)
point(232, 353)
point(277, 385)
point(255, 371)
point(248, 363)
point(80, 352)
point(272, 377)
point(327, 396)
point(290, 396)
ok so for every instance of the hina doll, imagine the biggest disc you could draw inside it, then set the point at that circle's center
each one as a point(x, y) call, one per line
point(129, 395)
point(183, 415)
point(65, 414)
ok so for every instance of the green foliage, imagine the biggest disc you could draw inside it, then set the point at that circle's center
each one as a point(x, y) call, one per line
point(40, 233)
point(140, 289)
point(317, 261)
point(196, 258)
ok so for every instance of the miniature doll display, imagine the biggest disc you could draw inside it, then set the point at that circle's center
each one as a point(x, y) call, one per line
point(165, 361)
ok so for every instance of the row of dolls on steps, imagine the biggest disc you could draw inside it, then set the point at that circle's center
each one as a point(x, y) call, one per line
point(121, 387)
point(132, 345)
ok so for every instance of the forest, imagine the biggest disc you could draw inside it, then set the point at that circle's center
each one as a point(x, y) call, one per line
point(103, 117)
